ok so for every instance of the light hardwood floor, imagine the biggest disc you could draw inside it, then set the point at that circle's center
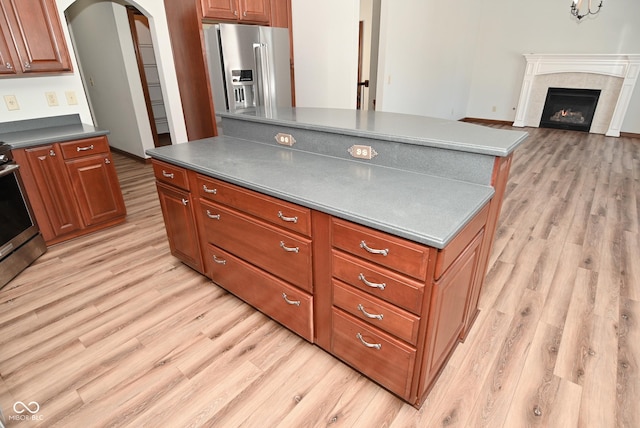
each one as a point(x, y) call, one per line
point(111, 330)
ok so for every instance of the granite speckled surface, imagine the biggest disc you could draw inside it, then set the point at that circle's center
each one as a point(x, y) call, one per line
point(410, 129)
point(420, 207)
point(34, 132)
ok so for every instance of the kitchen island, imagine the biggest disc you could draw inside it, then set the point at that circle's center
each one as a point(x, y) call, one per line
point(366, 233)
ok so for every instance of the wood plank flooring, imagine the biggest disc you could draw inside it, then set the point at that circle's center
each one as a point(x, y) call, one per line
point(109, 330)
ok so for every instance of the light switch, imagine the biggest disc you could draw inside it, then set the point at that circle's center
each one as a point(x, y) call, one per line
point(52, 98)
point(71, 98)
point(11, 102)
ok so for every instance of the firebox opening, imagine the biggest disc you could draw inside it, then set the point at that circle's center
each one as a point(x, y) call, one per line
point(571, 109)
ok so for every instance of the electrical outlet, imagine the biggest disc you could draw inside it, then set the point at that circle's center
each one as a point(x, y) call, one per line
point(362, 152)
point(52, 98)
point(285, 139)
point(11, 102)
point(71, 98)
point(493, 108)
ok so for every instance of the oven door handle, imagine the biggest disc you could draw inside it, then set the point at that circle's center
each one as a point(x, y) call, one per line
point(10, 169)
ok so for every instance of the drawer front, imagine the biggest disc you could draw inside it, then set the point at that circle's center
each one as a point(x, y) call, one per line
point(281, 253)
point(379, 356)
point(374, 311)
point(280, 213)
point(390, 251)
point(286, 304)
point(171, 174)
point(379, 282)
point(88, 146)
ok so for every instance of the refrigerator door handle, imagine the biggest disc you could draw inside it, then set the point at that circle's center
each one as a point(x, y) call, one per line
point(261, 55)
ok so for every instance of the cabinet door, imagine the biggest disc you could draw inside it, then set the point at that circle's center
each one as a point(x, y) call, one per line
point(96, 188)
point(220, 9)
point(449, 304)
point(255, 11)
point(180, 223)
point(6, 57)
point(34, 27)
point(54, 188)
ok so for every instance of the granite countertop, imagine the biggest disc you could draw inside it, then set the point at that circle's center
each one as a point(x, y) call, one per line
point(404, 128)
point(420, 207)
point(34, 132)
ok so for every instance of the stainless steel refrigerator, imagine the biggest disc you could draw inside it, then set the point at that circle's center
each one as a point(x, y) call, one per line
point(249, 66)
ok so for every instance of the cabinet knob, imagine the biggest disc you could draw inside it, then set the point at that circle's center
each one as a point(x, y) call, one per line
point(52, 153)
point(244, 14)
point(27, 65)
point(185, 202)
point(107, 161)
point(235, 12)
point(8, 66)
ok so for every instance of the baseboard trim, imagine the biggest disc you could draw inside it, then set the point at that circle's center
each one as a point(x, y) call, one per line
point(486, 121)
point(629, 135)
point(129, 155)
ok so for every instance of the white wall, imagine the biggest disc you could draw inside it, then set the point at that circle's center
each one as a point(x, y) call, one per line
point(454, 59)
point(102, 40)
point(30, 90)
point(325, 42)
point(508, 31)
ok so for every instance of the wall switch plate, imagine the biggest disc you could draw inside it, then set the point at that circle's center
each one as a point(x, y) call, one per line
point(71, 98)
point(52, 98)
point(11, 102)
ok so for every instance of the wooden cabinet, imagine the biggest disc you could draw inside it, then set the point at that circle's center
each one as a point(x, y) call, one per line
point(243, 11)
point(391, 308)
point(73, 187)
point(178, 213)
point(31, 38)
point(257, 247)
point(44, 175)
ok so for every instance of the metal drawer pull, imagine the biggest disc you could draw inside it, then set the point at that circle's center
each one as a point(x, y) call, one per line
point(373, 250)
point(367, 344)
point(185, 202)
point(219, 261)
point(207, 190)
point(84, 149)
point(291, 302)
point(289, 249)
point(289, 219)
point(213, 216)
point(368, 315)
point(381, 285)
point(167, 174)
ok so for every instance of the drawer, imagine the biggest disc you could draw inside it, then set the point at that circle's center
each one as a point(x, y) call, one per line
point(171, 174)
point(376, 312)
point(280, 253)
point(378, 281)
point(286, 304)
point(88, 146)
point(388, 250)
point(379, 356)
point(273, 210)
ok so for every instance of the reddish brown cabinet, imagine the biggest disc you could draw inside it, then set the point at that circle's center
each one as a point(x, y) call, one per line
point(73, 187)
point(243, 11)
point(178, 213)
point(31, 38)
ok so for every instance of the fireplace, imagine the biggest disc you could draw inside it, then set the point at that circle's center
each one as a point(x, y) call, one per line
point(569, 108)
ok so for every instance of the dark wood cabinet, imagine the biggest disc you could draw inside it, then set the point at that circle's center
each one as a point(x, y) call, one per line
point(31, 39)
point(243, 11)
point(73, 187)
point(50, 190)
point(178, 213)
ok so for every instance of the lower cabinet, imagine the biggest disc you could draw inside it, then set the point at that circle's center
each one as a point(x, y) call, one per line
point(391, 308)
point(73, 187)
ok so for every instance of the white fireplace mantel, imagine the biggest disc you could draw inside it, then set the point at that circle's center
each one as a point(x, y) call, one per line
point(626, 67)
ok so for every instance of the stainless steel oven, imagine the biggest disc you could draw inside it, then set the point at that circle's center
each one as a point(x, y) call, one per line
point(20, 240)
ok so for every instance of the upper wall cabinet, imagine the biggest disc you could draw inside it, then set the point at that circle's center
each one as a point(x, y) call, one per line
point(31, 38)
point(243, 11)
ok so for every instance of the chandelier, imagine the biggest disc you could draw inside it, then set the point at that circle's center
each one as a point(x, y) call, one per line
point(576, 6)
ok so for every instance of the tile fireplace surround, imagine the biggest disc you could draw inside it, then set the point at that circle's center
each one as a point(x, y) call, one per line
point(615, 75)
